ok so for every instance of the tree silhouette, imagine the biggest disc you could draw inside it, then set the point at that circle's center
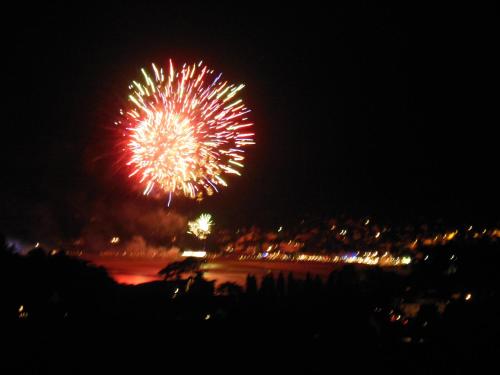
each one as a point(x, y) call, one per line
point(201, 287)
point(176, 269)
point(292, 285)
point(280, 285)
point(230, 289)
point(330, 283)
point(251, 285)
point(268, 288)
point(318, 285)
point(308, 284)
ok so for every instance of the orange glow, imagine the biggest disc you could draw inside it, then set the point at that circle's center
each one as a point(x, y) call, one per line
point(133, 279)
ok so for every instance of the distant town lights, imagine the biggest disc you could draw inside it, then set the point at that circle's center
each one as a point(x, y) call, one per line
point(406, 260)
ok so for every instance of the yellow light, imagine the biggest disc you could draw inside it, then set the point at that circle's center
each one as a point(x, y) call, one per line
point(195, 254)
point(450, 236)
point(468, 297)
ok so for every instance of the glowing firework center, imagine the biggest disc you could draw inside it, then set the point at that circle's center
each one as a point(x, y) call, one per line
point(167, 152)
point(184, 134)
point(201, 227)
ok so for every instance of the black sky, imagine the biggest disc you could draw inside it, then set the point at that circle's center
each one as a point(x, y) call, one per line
point(362, 108)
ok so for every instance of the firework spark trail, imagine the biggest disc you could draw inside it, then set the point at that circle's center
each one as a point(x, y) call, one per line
point(184, 134)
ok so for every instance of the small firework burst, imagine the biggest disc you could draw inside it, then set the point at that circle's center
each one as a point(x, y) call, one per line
point(201, 227)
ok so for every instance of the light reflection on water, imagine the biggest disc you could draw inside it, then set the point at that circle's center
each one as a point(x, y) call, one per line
point(140, 270)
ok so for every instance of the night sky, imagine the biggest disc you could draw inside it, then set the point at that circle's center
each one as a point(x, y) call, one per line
point(362, 109)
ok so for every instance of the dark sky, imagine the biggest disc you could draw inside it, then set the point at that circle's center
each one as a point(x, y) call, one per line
point(385, 110)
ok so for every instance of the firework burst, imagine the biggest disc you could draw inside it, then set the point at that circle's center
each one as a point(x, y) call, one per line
point(201, 227)
point(184, 134)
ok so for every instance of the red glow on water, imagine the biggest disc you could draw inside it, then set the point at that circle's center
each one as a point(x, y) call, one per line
point(133, 279)
point(135, 271)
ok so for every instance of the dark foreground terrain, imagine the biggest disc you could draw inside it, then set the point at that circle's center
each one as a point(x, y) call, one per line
point(62, 314)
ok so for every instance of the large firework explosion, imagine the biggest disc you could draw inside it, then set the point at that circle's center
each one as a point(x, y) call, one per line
point(184, 134)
